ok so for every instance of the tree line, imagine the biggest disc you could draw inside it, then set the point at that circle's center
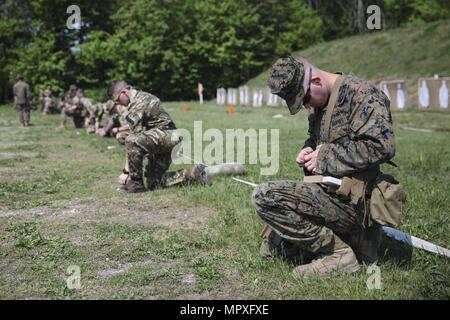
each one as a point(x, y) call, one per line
point(167, 46)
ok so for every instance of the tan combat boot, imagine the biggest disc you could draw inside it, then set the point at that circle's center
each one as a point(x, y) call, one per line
point(340, 258)
point(274, 246)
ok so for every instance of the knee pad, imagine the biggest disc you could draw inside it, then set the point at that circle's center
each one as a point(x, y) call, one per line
point(260, 193)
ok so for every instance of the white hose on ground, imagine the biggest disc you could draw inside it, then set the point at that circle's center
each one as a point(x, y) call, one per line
point(223, 169)
point(396, 234)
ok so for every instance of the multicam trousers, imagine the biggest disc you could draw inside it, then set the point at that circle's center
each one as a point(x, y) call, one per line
point(304, 213)
point(121, 137)
point(156, 145)
point(77, 115)
point(24, 113)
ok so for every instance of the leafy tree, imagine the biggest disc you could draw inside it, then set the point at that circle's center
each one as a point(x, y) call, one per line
point(167, 46)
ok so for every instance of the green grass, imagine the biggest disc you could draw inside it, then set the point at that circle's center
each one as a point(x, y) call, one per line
point(405, 53)
point(60, 208)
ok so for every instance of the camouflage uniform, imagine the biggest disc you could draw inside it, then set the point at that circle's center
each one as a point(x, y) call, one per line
point(152, 135)
point(22, 101)
point(114, 115)
point(41, 100)
point(109, 110)
point(60, 103)
point(71, 99)
point(48, 102)
point(361, 137)
point(95, 112)
point(92, 112)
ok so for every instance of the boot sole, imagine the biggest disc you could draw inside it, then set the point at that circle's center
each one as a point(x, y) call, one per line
point(346, 270)
point(127, 191)
point(350, 269)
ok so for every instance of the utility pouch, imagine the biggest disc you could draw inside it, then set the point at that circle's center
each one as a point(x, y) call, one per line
point(352, 188)
point(357, 190)
point(387, 201)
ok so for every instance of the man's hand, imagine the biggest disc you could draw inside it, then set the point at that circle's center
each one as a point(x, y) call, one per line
point(123, 178)
point(71, 107)
point(101, 132)
point(311, 160)
point(115, 130)
point(301, 156)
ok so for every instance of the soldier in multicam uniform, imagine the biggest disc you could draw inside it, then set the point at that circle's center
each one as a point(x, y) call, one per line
point(311, 219)
point(71, 108)
point(122, 130)
point(115, 123)
point(92, 112)
point(153, 135)
point(116, 126)
point(22, 100)
point(48, 101)
point(60, 102)
point(41, 99)
point(94, 117)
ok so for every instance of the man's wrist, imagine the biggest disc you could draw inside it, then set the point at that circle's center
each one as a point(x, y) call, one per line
point(321, 158)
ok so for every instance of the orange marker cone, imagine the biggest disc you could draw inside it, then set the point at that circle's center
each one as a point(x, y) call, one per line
point(231, 110)
point(185, 108)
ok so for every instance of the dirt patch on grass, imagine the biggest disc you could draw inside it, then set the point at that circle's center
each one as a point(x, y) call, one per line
point(143, 209)
point(14, 144)
point(68, 155)
point(22, 154)
point(122, 268)
point(11, 175)
point(100, 228)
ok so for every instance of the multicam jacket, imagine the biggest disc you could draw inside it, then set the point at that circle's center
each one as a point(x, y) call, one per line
point(22, 93)
point(114, 112)
point(361, 133)
point(95, 110)
point(144, 112)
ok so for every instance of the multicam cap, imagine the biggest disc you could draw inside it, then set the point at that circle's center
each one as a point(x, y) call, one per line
point(287, 80)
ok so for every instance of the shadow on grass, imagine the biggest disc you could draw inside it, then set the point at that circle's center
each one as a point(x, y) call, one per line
point(395, 251)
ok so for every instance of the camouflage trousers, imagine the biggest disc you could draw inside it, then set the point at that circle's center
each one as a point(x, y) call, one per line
point(49, 107)
point(304, 213)
point(156, 145)
point(121, 136)
point(78, 117)
point(24, 113)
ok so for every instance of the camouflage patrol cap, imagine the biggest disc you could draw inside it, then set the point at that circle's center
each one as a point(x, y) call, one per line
point(287, 81)
point(72, 87)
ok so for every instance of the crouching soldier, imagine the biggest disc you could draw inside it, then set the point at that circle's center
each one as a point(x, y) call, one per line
point(115, 123)
point(49, 102)
point(72, 108)
point(93, 112)
point(153, 135)
point(350, 135)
